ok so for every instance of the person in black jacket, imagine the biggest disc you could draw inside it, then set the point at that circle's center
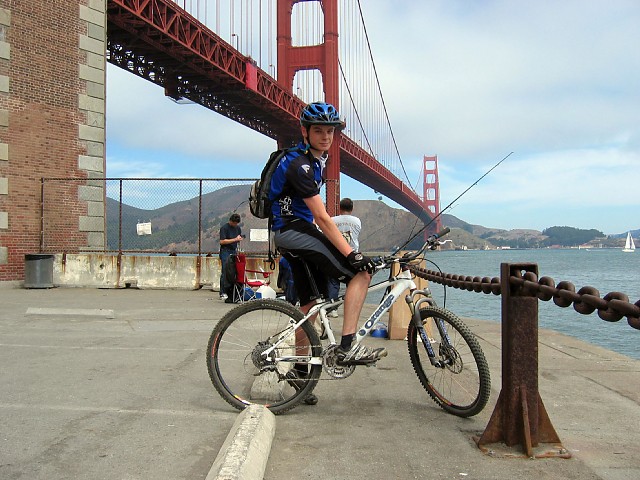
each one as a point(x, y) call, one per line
point(230, 236)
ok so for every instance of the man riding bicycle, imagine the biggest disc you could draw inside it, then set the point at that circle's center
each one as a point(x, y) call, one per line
point(303, 229)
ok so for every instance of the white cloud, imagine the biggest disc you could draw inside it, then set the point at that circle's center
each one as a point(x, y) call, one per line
point(135, 169)
point(516, 72)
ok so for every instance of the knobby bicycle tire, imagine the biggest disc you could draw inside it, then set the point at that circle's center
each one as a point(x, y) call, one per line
point(241, 375)
point(461, 385)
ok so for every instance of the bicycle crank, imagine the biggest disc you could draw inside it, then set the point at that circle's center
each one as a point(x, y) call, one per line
point(330, 364)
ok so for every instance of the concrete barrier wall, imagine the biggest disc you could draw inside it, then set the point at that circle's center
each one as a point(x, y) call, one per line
point(160, 272)
point(141, 271)
point(86, 270)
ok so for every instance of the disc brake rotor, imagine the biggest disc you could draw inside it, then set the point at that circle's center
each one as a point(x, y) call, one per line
point(451, 359)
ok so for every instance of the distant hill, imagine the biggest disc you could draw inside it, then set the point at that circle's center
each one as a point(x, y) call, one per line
point(175, 227)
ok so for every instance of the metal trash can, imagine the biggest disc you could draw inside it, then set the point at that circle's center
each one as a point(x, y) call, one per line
point(38, 270)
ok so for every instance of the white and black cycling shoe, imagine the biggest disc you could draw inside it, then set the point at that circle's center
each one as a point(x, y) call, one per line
point(359, 355)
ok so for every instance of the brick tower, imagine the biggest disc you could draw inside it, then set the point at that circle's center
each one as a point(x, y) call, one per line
point(52, 124)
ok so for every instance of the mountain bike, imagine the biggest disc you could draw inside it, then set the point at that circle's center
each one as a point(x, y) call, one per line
point(254, 346)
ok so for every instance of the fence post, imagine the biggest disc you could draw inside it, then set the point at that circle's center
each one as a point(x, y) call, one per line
point(519, 417)
point(199, 258)
point(120, 220)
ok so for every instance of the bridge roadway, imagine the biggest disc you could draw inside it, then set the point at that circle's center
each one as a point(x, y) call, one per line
point(112, 384)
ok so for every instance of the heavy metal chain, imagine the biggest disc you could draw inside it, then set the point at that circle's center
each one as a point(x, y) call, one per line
point(611, 308)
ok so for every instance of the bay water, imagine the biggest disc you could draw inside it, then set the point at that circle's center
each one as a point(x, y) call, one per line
point(607, 270)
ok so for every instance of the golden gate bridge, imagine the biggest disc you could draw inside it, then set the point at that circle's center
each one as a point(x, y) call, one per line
point(258, 62)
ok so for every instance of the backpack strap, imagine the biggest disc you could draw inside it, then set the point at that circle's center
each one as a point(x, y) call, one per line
point(270, 254)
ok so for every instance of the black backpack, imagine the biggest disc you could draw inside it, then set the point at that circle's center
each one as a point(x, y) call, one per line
point(259, 202)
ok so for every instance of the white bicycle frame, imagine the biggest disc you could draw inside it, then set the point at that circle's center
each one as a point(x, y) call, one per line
point(401, 282)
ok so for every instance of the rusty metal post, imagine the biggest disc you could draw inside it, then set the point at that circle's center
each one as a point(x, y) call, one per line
point(519, 417)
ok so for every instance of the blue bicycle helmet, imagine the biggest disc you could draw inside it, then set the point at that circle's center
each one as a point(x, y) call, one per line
point(320, 113)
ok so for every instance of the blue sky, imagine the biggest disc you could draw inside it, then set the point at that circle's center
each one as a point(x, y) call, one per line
point(557, 83)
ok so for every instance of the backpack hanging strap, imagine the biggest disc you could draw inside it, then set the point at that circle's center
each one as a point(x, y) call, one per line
point(270, 254)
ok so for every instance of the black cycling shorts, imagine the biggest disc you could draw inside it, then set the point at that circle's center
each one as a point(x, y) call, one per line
point(302, 239)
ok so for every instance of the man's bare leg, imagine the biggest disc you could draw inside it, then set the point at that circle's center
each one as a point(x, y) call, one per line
point(301, 337)
point(354, 300)
point(302, 348)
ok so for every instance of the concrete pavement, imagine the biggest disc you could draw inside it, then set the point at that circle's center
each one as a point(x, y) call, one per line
point(112, 384)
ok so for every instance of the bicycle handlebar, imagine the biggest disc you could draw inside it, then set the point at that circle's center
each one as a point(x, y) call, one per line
point(431, 243)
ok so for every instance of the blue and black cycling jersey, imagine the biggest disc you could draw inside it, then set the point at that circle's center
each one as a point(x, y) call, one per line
point(299, 175)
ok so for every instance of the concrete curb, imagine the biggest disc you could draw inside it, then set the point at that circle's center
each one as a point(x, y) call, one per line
point(245, 451)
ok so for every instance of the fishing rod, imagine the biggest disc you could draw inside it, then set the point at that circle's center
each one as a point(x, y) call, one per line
point(448, 206)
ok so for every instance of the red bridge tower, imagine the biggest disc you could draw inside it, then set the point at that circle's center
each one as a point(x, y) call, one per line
point(323, 57)
point(431, 192)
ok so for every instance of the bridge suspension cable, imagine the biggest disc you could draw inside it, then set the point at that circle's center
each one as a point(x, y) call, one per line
point(384, 106)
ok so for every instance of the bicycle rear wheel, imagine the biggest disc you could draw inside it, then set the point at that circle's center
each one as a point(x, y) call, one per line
point(243, 376)
point(460, 382)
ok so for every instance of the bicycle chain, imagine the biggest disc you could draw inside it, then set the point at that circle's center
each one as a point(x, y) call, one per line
point(326, 368)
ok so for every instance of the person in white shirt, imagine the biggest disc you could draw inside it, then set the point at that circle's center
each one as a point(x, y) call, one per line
point(350, 227)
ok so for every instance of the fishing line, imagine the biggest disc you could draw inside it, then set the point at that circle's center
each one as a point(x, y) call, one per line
point(448, 206)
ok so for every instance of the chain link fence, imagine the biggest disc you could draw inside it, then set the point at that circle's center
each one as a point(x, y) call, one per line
point(146, 215)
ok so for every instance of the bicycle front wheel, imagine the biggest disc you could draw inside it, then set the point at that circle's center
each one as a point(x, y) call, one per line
point(459, 381)
point(239, 371)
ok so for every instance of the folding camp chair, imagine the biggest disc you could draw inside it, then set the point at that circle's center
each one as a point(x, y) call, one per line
point(248, 281)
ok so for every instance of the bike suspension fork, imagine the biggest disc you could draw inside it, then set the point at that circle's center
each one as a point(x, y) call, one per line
point(414, 306)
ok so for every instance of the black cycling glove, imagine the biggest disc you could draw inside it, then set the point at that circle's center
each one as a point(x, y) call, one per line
point(361, 262)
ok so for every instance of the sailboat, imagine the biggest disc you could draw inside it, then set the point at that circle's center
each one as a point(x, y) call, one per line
point(629, 246)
